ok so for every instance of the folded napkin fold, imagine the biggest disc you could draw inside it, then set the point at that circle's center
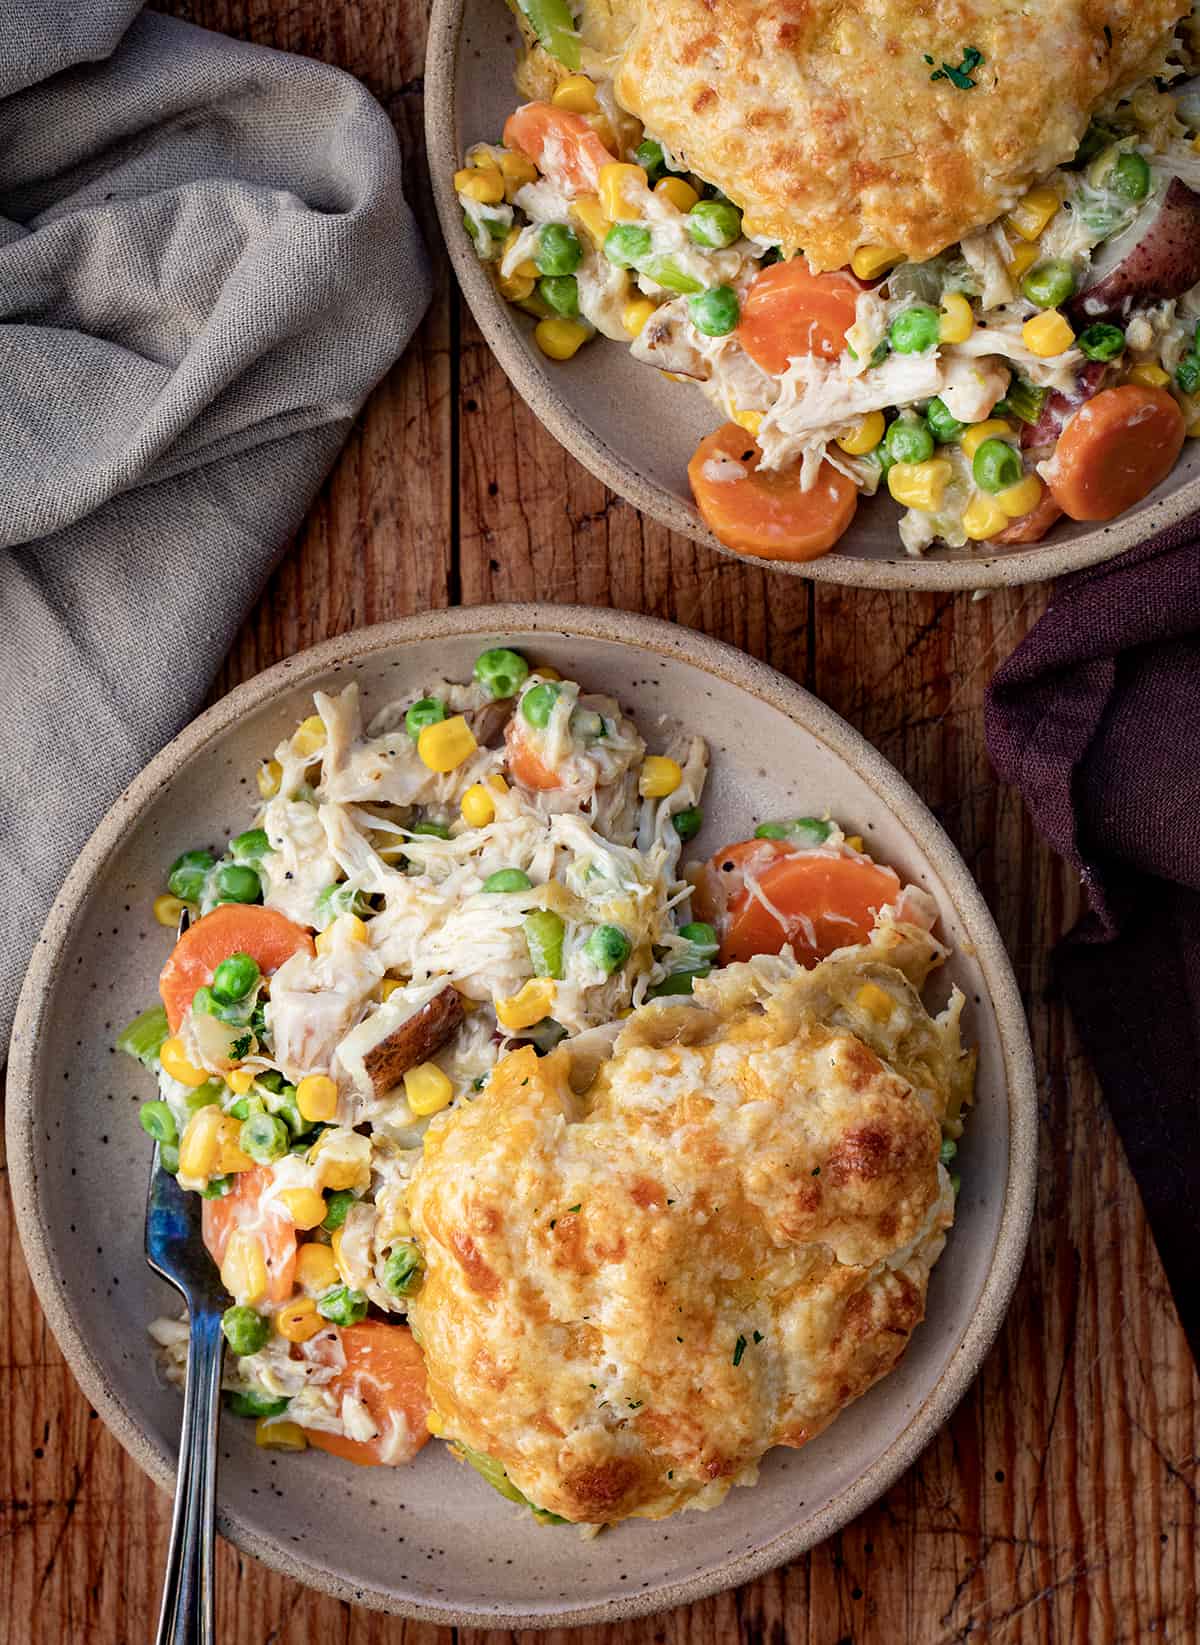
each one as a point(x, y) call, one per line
point(206, 262)
point(1096, 719)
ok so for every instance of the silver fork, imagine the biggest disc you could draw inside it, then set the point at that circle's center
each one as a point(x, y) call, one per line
point(175, 1250)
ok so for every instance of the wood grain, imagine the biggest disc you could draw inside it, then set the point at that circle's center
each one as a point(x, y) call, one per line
point(1059, 1506)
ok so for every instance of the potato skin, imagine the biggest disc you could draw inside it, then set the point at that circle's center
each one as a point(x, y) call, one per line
point(1164, 263)
point(414, 1041)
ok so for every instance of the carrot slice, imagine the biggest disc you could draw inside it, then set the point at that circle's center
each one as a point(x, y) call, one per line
point(560, 144)
point(233, 928)
point(524, 765)
point(274, 1230)
point(761, 894)
point(1116, 448)
point(1031, 527)
point(764, 512)
point(385, 1370)
point(790, 311)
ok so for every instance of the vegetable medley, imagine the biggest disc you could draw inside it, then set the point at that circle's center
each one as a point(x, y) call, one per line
point(487, 865)
point(1047, 365)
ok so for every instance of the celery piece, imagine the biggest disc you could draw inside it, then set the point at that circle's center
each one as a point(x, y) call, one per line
point(1025, 401)
point(554, 26)
point(665, 271)
point(144, 1037)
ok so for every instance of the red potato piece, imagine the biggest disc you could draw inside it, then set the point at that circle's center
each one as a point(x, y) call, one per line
point(1163, 261)
point(1115, 450)
point(414, 1041)
point(1059, 407)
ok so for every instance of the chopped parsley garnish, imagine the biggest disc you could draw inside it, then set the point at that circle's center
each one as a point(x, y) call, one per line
point(959, 76)
point(758, 1336)
point(739, 1348)
point(241, 1047)
point(571, 1209)
point(635, 1404)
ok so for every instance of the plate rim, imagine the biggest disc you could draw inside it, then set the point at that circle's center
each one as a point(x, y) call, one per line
point(655, 636)
point(1037, 563)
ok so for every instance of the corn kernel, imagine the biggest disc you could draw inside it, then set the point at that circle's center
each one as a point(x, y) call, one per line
point(920, 485)
point(305, 1206)
point(589, 213)
point(875, 1001)
point(446, 744)
point(316, 1268)
point(427, 1088)
point(478, 807)
point(615, 181)
point(659, 777)
point(559, 339)
point(751, 421)
point(1021, 499)
point(864, 435)
point(317, 1097)
point(1149, 373)
point(855, 842)
point(298, 1320)
point(869, 262)
point(239, 1080)
point(1047, 334)
point(167, 910)
point(517, 170)
point(522, 1010)
point(268, 777)
point(577, 93)
point(348, 925)
point(200, 1143)
point(983, 517)
point(496, 782)
point(389, 986)
point(958, 318)
point(435, 1423)
point(486, 187)
point(1031, 214)
point(636, 313)
point(602, 126)
point(243, 1269)
point(994, 429)
point(1023, 259)
point(175, 1062)
point(273, 1435)
point(681, 194)
point(230, 1158)
point(515, 287)
point(309, 735)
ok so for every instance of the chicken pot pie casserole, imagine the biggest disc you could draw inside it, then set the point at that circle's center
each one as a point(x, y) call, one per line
point(610, 1172)
point(950, 251)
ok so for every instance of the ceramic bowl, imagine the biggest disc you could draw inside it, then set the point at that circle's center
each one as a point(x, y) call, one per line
point(633, 428)
point(431, 1541)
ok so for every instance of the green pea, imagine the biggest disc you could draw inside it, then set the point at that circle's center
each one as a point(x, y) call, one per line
point(287, 1108)
point(558, 249)
point(715, 312)
point(234, 978)
point(1101, 342)
point(501, 672)
point(425, 711)
point(168, 1157)
point(251, 845)
point(439, 831)
point(403, 1270)
point(608, 947)
point(272, 1080)
point(649, 155)
point(538, 703)
point(245, 1330)
point(803, 831)
point(701, 936)
point(342, 1305)
point(1187, 373)
point(561, 293)
point(264, 1138)
point(507, 879)
point(1130, 177)
point(714, 224)
point(544, 933)
point(245, 1106)
point(948, 1150)
point(337, 1206)
point(996, 466)
point(679, 982)
point(626, 244)
point(203, 1003)
point(217, 1188)
point(204, 1096)
point(1050, 283)
point(254, 1404)
point(945, 427)
point(188, 874)
point(909, 441)
point(158, 1122)
point(236, 883)
point(688, 822)
point(915, 330)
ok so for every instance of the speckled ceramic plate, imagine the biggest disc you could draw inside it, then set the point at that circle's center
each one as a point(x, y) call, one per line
point(635, 430)
point(430, 1540)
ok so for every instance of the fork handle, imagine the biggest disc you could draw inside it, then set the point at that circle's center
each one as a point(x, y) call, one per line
point(186, 1617)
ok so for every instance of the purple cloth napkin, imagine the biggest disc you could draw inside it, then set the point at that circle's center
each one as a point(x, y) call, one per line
point(1096, 719)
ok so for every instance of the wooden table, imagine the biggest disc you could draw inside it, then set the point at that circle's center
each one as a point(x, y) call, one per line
point(1060, 1503)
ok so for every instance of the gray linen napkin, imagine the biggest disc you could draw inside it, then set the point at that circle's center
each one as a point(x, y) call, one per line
point(206, 262)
